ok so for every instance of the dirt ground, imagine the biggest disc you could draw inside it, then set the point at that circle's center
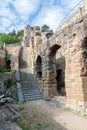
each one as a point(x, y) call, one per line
point(46, 115)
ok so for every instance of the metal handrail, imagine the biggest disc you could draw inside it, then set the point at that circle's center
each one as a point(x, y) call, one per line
point(40, 83)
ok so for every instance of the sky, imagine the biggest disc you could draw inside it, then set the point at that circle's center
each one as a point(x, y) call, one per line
point(15, 14)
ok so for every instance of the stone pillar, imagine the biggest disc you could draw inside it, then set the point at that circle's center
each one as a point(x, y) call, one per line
point(74, 79)
point(26, 38)
point(84, 70)
point(50, 84)
point(37, 36)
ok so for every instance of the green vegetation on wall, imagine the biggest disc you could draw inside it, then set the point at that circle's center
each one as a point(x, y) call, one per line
point(8, 83)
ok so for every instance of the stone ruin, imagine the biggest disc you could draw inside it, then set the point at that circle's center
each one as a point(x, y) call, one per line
point(58, 60)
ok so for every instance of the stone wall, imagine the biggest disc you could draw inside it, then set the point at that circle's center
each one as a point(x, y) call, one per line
point(60, 70)
point(72, 19)
point(71, 40)
point(14, 56)
point(71, 58)
point(65, 50)
point(2, 58)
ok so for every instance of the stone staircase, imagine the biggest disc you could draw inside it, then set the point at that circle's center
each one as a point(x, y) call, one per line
point(29, 85)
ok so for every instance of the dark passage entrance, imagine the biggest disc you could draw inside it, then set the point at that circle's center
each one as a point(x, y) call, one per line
point(38, 67)
point(60, 82)
point(8, 64)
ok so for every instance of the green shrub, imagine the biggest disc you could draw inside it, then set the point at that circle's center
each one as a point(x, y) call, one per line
point(8, 83)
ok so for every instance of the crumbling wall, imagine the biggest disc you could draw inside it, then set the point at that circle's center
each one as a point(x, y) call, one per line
point(14, 56)
point(2, 58)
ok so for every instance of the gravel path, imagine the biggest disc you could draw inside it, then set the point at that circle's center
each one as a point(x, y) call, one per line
point(51, 115)
point(43, 115)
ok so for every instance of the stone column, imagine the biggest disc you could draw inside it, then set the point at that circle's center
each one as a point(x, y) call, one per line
point(50, 88)
point(74, 68)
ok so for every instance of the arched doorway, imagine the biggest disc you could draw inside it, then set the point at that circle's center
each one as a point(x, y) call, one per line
point(38, 67)
point(50, 89)
point(60, 74)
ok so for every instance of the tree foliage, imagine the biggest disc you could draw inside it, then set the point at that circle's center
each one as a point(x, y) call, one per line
point(13, 33)
point(12, 37)
point(46, 28)
point(8, 39)
point(20, 34)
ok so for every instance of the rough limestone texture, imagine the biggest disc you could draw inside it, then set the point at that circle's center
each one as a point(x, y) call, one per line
point(57, 59)
point(2, 58)
point(14, 56)
point(66, 50)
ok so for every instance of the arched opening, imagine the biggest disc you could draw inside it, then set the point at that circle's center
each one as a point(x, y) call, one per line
point(8, 60)
point(55, 74)
point(38, 67)
point(60, 72)
point(51, 72)
point(84, 57)
point(49, 34)
point(84, 68)
point(8, 64)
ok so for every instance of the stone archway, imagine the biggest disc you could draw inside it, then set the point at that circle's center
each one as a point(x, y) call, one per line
point(38, 67)
point(50, 82)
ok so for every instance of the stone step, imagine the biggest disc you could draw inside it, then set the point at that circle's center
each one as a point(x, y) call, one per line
point(26, 83)
point(33, 93)
point(32, 98)
point(29, 87)
point(30, 92)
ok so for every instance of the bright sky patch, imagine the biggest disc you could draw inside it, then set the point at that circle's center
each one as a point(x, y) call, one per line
point(14, 14)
